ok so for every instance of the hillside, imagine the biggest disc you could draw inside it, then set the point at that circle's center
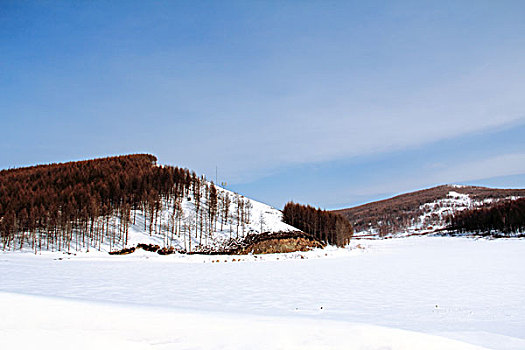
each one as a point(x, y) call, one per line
point(422, 211)
point(499, 219)
point(111, 203)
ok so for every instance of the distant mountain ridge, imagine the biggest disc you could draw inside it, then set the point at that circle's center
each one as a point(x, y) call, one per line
point(421, 211)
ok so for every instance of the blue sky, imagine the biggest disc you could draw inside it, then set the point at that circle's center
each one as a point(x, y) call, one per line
point(323, 102)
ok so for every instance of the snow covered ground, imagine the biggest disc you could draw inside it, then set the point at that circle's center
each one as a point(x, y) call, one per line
point(410, 293)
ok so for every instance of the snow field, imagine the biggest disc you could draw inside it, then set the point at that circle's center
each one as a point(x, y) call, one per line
point(47, 323)
point(393, 291)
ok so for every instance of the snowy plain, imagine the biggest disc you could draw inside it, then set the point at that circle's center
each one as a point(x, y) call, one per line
point(407, 293)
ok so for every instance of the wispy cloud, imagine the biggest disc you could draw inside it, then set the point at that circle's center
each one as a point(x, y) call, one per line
point(460, 172)
point(501, 165)
point(251, 140)
point(259, 89)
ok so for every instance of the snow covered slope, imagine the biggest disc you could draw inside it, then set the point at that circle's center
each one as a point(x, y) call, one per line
point(422, 211)
point(191, 228)
point(117, 202)
point(434, 215)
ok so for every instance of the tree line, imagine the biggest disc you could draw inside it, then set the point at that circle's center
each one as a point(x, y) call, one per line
point(324, 225)
point(85, 204)
point(506, 217)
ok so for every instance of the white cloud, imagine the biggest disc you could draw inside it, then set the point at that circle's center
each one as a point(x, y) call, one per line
point(502, 165)
point(255, 136)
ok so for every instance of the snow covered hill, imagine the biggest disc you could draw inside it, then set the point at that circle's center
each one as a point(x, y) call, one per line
point(186, 225)
point(422, 211)
point(112, 203)
point(190, 228)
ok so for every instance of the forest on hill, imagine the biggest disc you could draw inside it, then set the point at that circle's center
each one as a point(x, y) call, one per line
point(505, 217)
point(78, 205)
point(89, 204)
point(421, 210)
point(325, 226)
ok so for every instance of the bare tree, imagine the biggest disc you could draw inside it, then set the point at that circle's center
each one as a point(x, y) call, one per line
point(262, 222)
